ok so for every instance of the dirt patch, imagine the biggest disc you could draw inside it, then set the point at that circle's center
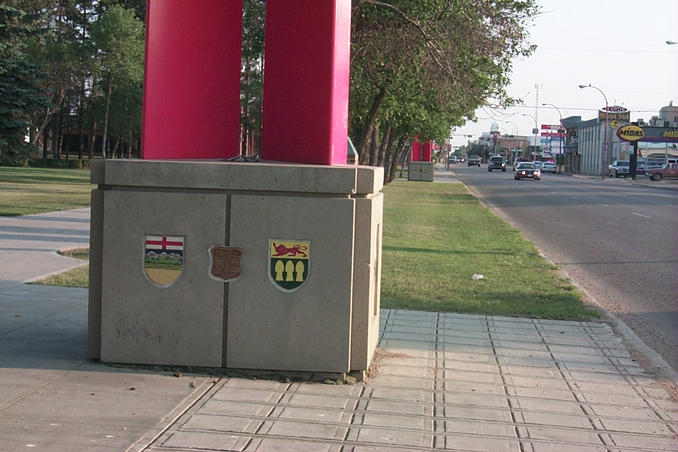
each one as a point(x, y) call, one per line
point(379, 356)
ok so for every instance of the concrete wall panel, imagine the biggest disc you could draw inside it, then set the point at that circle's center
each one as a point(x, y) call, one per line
point(308, 329)
point(144, 323)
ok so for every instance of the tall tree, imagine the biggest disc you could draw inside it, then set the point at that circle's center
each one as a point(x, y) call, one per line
point(119, 39)
point(251, 74)
point(419, 68)
point(20, 92)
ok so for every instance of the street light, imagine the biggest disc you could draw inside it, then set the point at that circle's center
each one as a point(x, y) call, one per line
point(607, 105)
point(535, 131)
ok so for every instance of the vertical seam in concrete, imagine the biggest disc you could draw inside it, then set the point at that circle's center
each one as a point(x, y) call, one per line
point(514, 419)
point(436, 438)
point(578, 399)
point(629, 379)
point(224, 326)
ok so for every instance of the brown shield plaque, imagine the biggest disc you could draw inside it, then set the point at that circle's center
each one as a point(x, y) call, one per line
point(225, 262)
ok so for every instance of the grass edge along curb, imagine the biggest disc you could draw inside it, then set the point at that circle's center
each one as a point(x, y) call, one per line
point(438, 235)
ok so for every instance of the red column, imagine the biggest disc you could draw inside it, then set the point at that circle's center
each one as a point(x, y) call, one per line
point(427, 151)
point(416, 151)
point(306, 81)
point(192, 80)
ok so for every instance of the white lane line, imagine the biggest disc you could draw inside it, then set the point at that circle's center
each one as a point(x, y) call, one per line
point(641, 215)
point(605, 205)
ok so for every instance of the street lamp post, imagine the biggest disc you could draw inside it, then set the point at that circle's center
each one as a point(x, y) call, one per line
point(607, 105)
point(536, 131)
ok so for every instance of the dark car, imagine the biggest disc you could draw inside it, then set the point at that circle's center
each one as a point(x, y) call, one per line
point(473, 160)
point(526, 170)
point(497, 163)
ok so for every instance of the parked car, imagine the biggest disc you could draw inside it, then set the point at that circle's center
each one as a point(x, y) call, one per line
point(473, 160)
point(496, 162)
point(669, 171)
point(619, 168)
point(548, 167)
point(526, 170)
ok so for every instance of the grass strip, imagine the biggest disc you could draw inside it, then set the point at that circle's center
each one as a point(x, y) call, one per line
point(25, 191)
point(438, 235)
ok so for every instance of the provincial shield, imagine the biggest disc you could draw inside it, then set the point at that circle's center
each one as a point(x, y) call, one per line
point(163, 258)
point(289, 263)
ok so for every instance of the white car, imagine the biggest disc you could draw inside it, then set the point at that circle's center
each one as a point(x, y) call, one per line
point(548, 167)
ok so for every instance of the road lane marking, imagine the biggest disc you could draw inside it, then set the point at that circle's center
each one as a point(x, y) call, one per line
point(641, 215)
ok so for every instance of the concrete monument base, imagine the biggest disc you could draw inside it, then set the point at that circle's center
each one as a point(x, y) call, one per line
point(420, 171)
point(298, 288)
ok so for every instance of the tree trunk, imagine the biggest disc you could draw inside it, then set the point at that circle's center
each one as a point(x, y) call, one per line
point(374, 144)
point(109, 91)
point(366, 132)
point(400, 149)
point(386, 144)
point(81, 138)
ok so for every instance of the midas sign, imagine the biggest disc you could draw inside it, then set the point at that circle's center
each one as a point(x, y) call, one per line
point(630, 133)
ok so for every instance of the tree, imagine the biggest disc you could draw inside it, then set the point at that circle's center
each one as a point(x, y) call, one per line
point(20, 93)
point(251, 74)
point(420, 68)
point(119, 39)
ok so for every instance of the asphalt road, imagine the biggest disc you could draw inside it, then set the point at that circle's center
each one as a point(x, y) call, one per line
point(616, 239)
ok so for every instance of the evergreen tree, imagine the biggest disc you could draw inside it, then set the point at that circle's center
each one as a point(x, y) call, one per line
point(20, 93)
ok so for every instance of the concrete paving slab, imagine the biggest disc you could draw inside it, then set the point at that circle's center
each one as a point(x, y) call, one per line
point(445, 381)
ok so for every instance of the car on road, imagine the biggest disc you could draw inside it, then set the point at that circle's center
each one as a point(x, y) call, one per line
point(538, 164)
point(473, 160)
point(496, 162)
point(548, 167)
point(669, 171)
point(619, 168)
point(526, 170)
point(452, 159)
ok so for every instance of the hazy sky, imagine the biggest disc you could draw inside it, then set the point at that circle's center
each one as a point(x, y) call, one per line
point(617, 45)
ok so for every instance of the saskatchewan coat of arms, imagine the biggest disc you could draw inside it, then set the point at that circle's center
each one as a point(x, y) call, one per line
point(289, 263)
point(163, 258)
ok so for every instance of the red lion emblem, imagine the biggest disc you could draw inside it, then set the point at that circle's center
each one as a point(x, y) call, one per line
point(283, 251)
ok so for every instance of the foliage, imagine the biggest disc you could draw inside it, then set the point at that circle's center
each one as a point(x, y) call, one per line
point(20, 92)
point(420, 68)
point(83, 61)
point(251, 77)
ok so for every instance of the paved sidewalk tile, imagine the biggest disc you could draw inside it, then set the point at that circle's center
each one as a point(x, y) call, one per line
point(451, 382)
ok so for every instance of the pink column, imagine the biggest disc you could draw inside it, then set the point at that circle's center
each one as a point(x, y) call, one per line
point(416, 151)
point(427, 151)
point(192, 80)
point(306, 81)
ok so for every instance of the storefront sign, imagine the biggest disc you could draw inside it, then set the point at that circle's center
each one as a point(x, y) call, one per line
point(614, 113)
point(630, 133)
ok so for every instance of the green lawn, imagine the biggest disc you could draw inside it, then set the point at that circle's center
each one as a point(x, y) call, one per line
point(26, 191)
point(437, 236)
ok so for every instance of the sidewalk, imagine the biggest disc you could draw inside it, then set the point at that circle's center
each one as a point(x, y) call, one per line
point(442, 382)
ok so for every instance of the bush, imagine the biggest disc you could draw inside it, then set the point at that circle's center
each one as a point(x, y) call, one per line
point(18, 156)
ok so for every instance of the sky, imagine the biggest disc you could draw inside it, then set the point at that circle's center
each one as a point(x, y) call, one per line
point(618, 46)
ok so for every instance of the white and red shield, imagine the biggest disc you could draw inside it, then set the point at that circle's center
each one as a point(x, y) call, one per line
point(163, 258)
